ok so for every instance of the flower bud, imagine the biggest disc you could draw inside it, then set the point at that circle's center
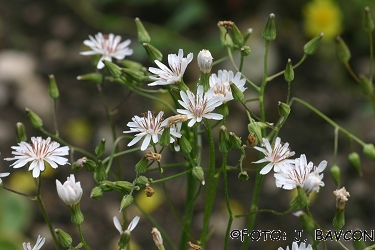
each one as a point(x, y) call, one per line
point(129, 64)
point(369, 151)
point(53, 90)
point(158, 240)
point(368, 22)
point(100, 174)
point(355, 161)
point(142, 181)
point(224, 143)
point(113, 69)
point(226, 40)
point(254, 128)
point(100, 149)
point(185, 145)
point(199, 174)
point(243, 176)
point(335, 174)
point(141, 166)
point(126, 201)
point(289, 72)
point(284, 109)
point(35, 120)
point(269, 31)
point(88, 164)
point(343, 52)
point(245, 51)
point(96, 193)
point(153, 53)
point(247, 34)
point(236, 92)
point(91, 77)
point(165, 138)
point(308, 223)
point(367, 85)
point(338, 221)
point(143, 36)
point(20, 132)
point(204, 59)
point(237, 36)
point(134, 75)
point(359, 244)
point(312, 46)
point(64, 238)
point(235, 141)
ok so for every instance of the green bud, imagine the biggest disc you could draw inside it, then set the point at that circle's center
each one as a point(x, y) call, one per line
point(301, 200)
point(338, 221)
point(255, 129)
point(236, 92)
point(243, 176)
point(165, 138)
point(129, 64)
point(153, 53)
point(284, 109)
point(237, 36)
point(100, 173)
point(35, 120)
point(125, 186)
point(126, 201)
point(88, 164)
point(335, 174)
point(360, 245)
point(289, 72)
point(96, 193)
point(184, 145)
point(53, 90)
point(20, 132)
point(113, 69)
point(312, 46)
point(124, 239)
point(76, 214)
point(343, 52)
point(369, 151)
point(141, 166)
point(199, 174)
point(224, 143)
point(64, 238)
point(235, 141)
point(367, 85)
point(306, 221)
point(355, 161)
point(269, 31)
point(91, 77)
point(226, 40)
point(368, 22)
point(134, 75)
point(245, 51)
point(247, 34)
point(143, 36)
point(100, 149)
point(142, 181)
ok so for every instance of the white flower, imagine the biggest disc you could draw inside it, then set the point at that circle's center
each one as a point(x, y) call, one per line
point(38, 245)
point(199, 106)
point(177, 64)
point(221, 84)
point(70, 192)
point(296, 247)
point(108, 46)
point(302, 174)
point(37, 152)
point(3, 175)
point(204, 59)
point(131, 226)
point(276, 156)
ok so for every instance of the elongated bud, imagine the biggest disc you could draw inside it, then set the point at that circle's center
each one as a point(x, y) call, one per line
point(342, 50)
point(198, 173)
point(96, 193)
point(100, 173)
point(225, 38)
point(20, 132)
point(100, 149)
point(158, 240)
point(284, 109)
point(204, 59)
point(368, 22)
point(76, 214)
point(355, 161)
point(64, 238)
point(312, 46)
point(35, 120)
point(369, 151)
point(236, 92)
point(91, 77)
point(88, 164)
point(153, 53)
point(289, 72)
point(53, 90)
point(366, 85)
point(134, 75)
point(185, 145)
point(143, 36)
point(165, 138)
point(269, 31)
point(143, 181)
point(113, 69)
point(224, 143)
point(120, 186)
point(245, 51)
point(247, 34)
point(336, 174)
point(141, 166)
point(360, 244)
point(307, 222)
point(243, 176)
point(237, 36)
point(126, 201)
point(235, 141)
point(129, 64)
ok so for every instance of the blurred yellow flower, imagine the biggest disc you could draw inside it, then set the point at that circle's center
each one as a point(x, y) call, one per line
point(322, 16)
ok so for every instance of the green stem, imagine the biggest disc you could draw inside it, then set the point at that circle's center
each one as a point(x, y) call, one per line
point(264, 211)
point(171, 177)
point(55, 117)
point(263, 87)
point(371, 55)
point(270, 78)
point(351, 72)
point(81, 237)
point(241, 63)
point(31, 197)
point(230, 219)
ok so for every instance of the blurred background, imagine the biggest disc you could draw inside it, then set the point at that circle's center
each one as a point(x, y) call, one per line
point(38, 38)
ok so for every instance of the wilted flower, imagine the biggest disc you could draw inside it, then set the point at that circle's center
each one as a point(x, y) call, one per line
point(341, 197)
point(108, 46)
point(38, 245)
point(296, 247)
point(221, 82)
point(70, 192)
point(37, 152)
point(199, 106)
point(177, 64)
point(276, 156)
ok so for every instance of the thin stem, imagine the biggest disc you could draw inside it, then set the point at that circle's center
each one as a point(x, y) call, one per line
point(371, 55)
point(263, 87)
point(270, 78)
point(31, 197)
point(55, 117)
point(351, 72)
point(335, 145)
point(171, 177)
point(264, 211)
point(81, 237)
point(230, 220)
point(241, 63)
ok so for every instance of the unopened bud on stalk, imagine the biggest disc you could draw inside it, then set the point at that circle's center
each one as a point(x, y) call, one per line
point(142, 181)
point(165, 138)
point(143, 36)
point(113, 69)
point(255, 129)
point(312, 46)
point(369, 151)
point(129, 64)
point(341, 199)
point(289, 72)
point(204, 59)
point(236, 92)
point(283, 109)
point(53, 90)
point(342, 50)
point(100, 174)
point(141, 166)
point(100, 149)
point(225, 38)
point(368, 22)
point(152, 53)
point(245, 51)
point(224, 143)
point(199, 174)
point(134, 75)
point(126, 201)
point(185, 145)
point(235, 141)
point(335, 174)
point(247, 34)
point(64, 238)
point(96, 193)
point(20, 132)
point(269, 31)
point(35, 120)
point(237, 36)
point(91, 77)
point(158, 240)
point(355, 161)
